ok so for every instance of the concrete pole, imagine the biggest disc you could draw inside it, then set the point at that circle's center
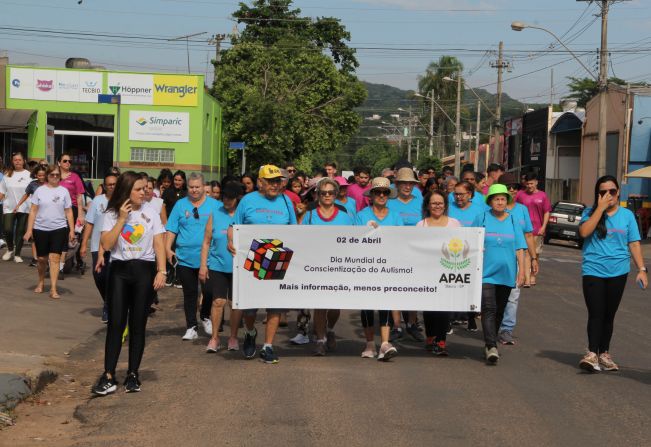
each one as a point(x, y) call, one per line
point(498, 111)
point(603, 89)
point(409, 138)
point(457, 143)
point(477, 134)
point(431, 125)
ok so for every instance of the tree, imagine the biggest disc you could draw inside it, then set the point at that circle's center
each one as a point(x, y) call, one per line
point(584, 89)
point(429, 162)
point(377, 155)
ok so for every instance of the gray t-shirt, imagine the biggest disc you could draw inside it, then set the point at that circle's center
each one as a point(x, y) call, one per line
point(52, 203)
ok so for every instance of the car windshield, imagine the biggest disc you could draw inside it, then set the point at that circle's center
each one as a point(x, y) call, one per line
point(566, 208)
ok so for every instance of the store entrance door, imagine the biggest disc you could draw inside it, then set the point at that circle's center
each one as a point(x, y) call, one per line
point(91, 152)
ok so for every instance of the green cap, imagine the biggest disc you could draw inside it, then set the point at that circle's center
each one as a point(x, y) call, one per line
point(498, 188)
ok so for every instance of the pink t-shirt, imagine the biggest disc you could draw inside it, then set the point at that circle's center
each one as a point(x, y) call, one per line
point(74, 186)
point(538, 204)
point(357, 192)
point(452, 223)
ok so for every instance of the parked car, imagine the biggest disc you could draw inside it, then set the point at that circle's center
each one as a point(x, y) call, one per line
point(564, 222)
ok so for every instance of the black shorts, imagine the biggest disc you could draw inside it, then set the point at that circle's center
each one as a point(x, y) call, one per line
point(219, 285)
point(53, 241)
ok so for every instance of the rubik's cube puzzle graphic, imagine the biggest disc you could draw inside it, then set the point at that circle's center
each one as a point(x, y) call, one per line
point(268, 259)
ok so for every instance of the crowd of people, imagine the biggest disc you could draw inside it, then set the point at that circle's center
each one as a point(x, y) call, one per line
point(146, 233)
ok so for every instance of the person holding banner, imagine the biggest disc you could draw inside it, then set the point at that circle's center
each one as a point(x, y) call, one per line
point(327, 212)
point(435, 210)
point(267, 206)
point(504, 247)
point(375, 215)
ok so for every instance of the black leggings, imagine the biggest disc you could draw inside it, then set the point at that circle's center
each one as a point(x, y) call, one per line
point(493, 302)
point(189, 278)
point(437, 324)
point(368, 318)
point(14, 226)
point(602, 297)
point(129, 294)
point(101, 278)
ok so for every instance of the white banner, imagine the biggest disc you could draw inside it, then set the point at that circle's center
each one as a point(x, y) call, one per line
point(159, 126)
point(335, 267)
point(132, 88)
point(54, 85)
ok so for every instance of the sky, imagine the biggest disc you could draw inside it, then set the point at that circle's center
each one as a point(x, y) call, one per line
point(395, 39)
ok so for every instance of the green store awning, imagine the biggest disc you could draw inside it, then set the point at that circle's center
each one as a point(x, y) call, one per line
point(15, 120)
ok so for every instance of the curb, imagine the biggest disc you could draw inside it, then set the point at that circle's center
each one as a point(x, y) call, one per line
point(16, 388)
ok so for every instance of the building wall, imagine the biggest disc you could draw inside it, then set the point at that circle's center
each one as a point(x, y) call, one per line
point(640, 148)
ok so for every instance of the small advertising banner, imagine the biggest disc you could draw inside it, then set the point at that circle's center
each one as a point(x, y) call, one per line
point(159, 126)
point(335, 267)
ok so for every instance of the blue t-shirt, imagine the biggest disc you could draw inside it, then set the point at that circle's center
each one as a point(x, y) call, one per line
point(416, 192)
point(312, 217)
point(95, 216)
point(521, 216)
point(467, 216)
point(255, 208)
point(351, 205)
point(610, 257)
point(411, 212)
point(391, 219)
point(478, 197)
point(501, 241)
point(190, 230)
point(219, 258)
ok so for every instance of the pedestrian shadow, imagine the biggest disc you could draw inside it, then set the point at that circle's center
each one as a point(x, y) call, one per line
point(92, 311)
point(572, 359)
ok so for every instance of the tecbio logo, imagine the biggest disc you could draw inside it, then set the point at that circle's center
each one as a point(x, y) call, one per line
point(268, 259)
point(44, 86)
point(455, 254)
point(141, 121)
point(16, 83)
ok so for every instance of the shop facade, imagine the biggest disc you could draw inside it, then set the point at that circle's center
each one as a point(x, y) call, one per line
point(161, 120)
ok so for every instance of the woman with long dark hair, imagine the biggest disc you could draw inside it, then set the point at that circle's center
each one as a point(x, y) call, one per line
point(133, 233)
point(611, 237)
point(14, 218)
point(177, 190)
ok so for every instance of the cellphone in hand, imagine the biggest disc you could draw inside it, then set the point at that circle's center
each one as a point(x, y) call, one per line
point(640, 284)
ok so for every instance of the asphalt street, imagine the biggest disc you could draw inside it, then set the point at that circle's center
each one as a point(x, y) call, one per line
point(535, 396)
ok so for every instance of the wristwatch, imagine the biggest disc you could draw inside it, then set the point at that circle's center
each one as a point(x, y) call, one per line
point(643, 269)
point(164, 273)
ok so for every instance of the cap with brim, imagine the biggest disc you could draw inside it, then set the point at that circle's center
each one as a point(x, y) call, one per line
point(269, 172)
point(406, 175)
point(341, 181)
point(381, 183)
point(496, 189)
point(508, 179)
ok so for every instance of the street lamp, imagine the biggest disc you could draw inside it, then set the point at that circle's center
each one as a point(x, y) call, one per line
point(457, 145)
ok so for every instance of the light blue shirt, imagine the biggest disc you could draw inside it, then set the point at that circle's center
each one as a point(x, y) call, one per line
point(219, 258)
point(610, 257)
point(501, 241)
point(190, 230)
point(466, 216)
point(391, 219)
point(521, 215)
point(478, 197)
point(95, 216)
point(411, 212)
point(351, 205)
point(312, 217)
point(255, 208)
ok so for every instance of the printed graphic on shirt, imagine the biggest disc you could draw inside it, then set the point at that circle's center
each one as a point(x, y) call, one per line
point(132, 233)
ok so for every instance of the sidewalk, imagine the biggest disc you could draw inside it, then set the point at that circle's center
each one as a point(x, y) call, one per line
point(36, 332)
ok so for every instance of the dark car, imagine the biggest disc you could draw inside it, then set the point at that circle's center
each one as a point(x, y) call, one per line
point(564, 222)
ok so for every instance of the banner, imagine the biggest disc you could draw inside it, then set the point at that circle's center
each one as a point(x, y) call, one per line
point(159, 126)
point(335, 267)
point(175, 90)
point(54, 85)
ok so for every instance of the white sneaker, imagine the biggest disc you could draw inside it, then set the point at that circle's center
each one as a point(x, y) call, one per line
point(18, 259)
point(207, 326)
point(7, 256)
point(3, 244)
point(191, 334)
point(300, 339)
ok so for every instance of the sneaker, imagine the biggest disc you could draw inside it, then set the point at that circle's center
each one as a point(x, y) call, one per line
point(169, 282)
point(104, 316)
point(105, 385)
point(249, 344)
point(131, 383)
point(492, 356)
point(177, 284)
point(3, 244)
point(213, 346)
point(233, 345)
point(429, 343)
point(412, 330)
point(506, 338)
point(331, 341)
point(191, 334)
point(472, 324)
point(387, 352)
point(369, 352)
point(590, 362)
point(268, 356)
point(207, 326)
point(300, 339)
point(451, 331)
point(395, 334)
point(8, 255)
point(440, 349)
point(606, 362)
point(18, 260)
point(33, 262)
point(320, 349)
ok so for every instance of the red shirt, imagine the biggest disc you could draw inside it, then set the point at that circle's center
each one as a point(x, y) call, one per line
point(74, 186)
point(357, 192)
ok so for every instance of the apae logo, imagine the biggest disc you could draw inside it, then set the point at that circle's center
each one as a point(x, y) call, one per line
point(455, 258)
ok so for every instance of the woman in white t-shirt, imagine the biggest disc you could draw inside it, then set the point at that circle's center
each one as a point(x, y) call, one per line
point(50, 224)
point(12, 188)
point(155, 202)
point(134, 235)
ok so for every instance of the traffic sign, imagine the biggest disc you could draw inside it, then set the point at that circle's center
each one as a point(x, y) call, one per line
point(239, 145)
point(109, 99)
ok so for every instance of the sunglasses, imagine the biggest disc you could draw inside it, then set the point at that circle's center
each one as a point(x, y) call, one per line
point(195, 212)
point(382, 192)
point(326, 193)
point(274, 181)
point(66, 161)
point(612, 191)
point(291, 170)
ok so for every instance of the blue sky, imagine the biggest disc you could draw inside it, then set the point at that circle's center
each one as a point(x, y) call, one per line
point(396, 38)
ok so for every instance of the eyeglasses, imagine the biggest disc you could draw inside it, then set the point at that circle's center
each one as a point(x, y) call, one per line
point(612, 191)
point(274, 181)
point(326, 193)
point(382, 192)
point(195, 212)
point(66, 161)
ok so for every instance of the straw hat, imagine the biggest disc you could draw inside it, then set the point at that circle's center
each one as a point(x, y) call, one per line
point(381, 183)
point(406, 175)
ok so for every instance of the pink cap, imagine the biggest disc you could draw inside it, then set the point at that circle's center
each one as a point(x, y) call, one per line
point(341, 181)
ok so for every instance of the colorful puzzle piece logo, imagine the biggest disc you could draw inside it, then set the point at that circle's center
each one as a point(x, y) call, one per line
point(268, 259)
point(132, 233)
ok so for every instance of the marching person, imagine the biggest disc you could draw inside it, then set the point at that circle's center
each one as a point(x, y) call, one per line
point(435, 212)
point(176, 191)
point(39, 175)
point(153, 201)
point(343, 198)
point(50, 223)
point(216, 270)
point(14, 216)
point(186, 227)
point(72, 182)
point(504, 246)
point(134, 235)
point(358, 190)
point(266, 206)
point(375, 215)
point(611, 238)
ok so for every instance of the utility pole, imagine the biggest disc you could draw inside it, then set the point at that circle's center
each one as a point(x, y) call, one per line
point(187, 44)
point(500, 65)
point(551, 92)
point(409, 138)
point(217, 40)
point(457, 144)
point(603, 90)
point(431, 125)
point(478, 126)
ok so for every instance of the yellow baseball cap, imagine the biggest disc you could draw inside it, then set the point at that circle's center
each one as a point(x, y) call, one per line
point(269, 171)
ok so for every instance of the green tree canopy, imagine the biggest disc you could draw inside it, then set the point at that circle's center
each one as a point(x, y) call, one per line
point(377, 155)
point(584, 89)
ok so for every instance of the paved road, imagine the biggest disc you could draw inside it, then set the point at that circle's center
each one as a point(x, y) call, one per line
point(535, 396)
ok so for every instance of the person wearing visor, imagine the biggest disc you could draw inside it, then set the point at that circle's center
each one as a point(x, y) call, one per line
point(504, 246)
point(343, 198)
point(375, 215)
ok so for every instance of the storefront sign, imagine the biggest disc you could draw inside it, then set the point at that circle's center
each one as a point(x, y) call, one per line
point(159, 126)
point(54, 85)
point(133, 88)
point(322, 267)
point(173, 90)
